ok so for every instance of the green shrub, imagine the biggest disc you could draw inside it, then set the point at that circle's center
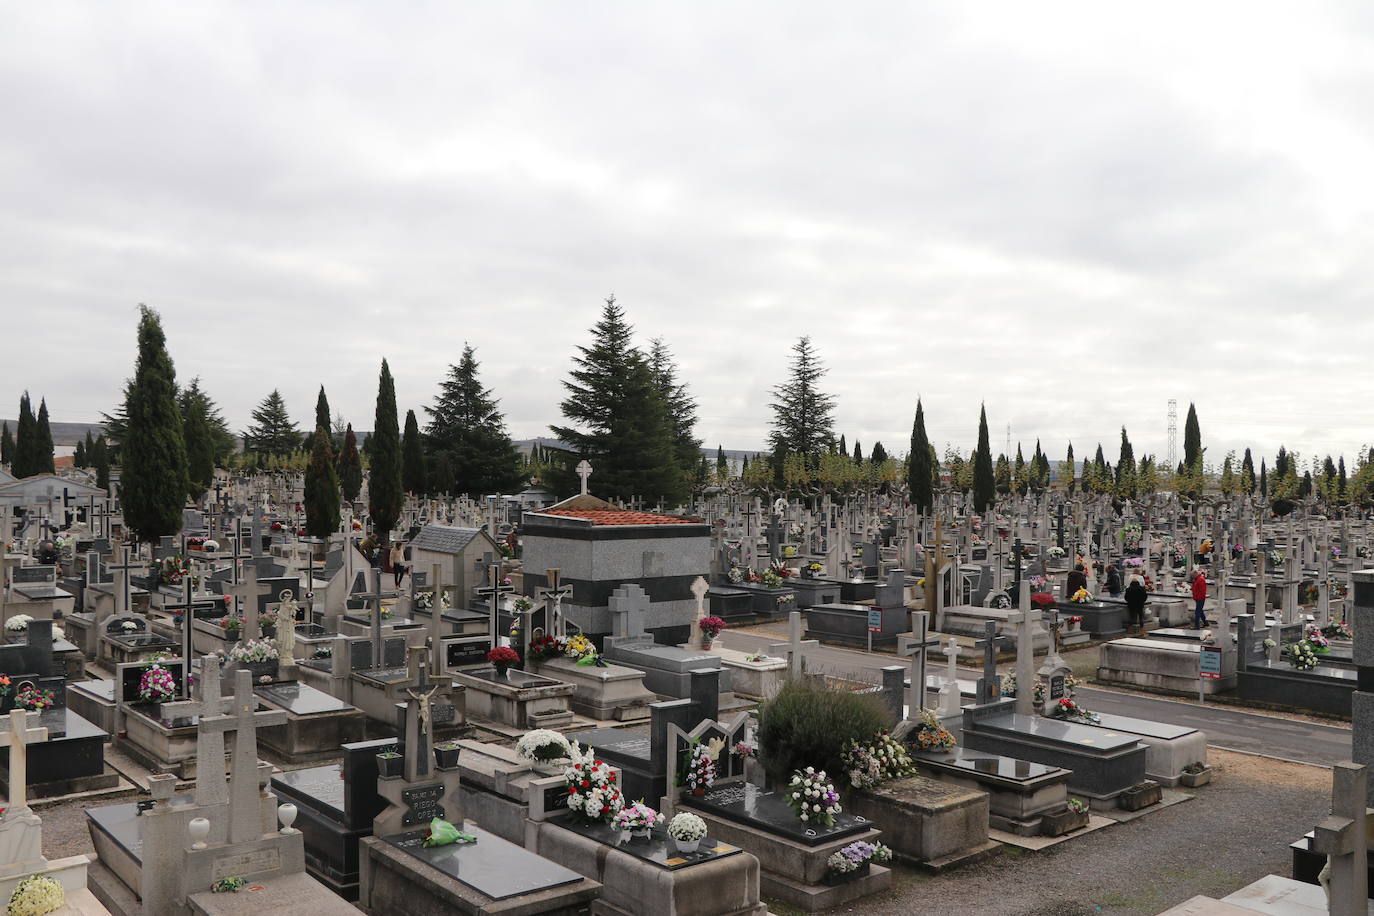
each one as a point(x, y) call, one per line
point(809, 726)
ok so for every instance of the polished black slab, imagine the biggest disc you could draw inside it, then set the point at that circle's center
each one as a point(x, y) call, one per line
point(301, 699)
point(386, 675)
point(141, 642)
point(746, 803)
point(122, 824)
point(988, 764)
point(492, 866)
point(512, 678)
point(100, 688)
point(617, 741)
point(320, 787)
point(75, 748)
point(657, 848)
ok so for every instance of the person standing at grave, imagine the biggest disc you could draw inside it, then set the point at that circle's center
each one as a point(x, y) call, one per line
point(1200, 598)
point(1135, 603)
point(398, 562)
point(1077, 579)
point(1113, 583)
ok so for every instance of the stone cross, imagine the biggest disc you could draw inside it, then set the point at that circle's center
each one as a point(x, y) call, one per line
point(418, 728)
point(246, 595)
point(1025, 652)
point(1342, 838)
point(584, 470)
point(915, 646)
point(122, 585)
point(792, 649)
point(376, 596)
point(18, 738)
point(699, 589)
point(628, 605)
point(245, 809)
point(493, 591)
point(989, 684)
point(553, 595)
point(949, 690)
point(211, 786)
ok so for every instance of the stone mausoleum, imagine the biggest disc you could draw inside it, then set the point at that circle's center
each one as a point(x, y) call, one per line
point(599, 547)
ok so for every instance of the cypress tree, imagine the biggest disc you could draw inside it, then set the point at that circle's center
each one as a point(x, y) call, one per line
point(878, 455)
point(722, 466)
point(350, 466)
point(1263, 481)
point(90, 444)
point(467, 425)
point(43, 451)
point(321, 487)
point(321, 419)
point(984, 484)
point(1341, 482)
point(920, 479)
point(1247, 473)
point(1069, 470)
point(154, 481)
point(1126, 484)
point(6, 444)
point(79, 459)
point(844, 449)
point(24, 440)
point(858, 452)
point(101, 462)
point(384, 492)
point(1020, 476)
point(200, 449)
point(412, 457)
point(1192, 439)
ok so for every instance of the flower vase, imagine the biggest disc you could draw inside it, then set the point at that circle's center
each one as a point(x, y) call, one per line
point(686, 846)
point(641, 833)
point(503, 670)
point(699, 790)
point(833, 878)
point(550, 767)
point(706, 644)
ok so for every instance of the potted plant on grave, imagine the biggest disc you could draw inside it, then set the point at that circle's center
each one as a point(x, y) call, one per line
point(687, 831)
point(156, 685)
point(15, 627)
point(547, 751)
point(6, 704)
point(390, 762)
point(501, 658)
point(593, 787)
point(854, 861)
point(701, 769)
point(635, 821)
point(232, 627)
point(1195, 774)
point(710, 629)
point(931, 735)
point(812, 570)
point(1042, 601)
point(1072, 623)
point(446, 754)
point(812, 797)
point(544, 648)
point(34, 698)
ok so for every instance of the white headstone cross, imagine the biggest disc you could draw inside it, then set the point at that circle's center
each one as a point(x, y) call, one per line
point(18, 738)
point(949, 690)
point(584, 470)
point(794, 646)
point(1342, 838)
point(699, 589)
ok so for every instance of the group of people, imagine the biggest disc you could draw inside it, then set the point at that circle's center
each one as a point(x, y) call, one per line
point(1135, 594)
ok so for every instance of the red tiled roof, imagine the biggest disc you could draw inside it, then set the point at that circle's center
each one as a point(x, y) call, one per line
point(618, 517)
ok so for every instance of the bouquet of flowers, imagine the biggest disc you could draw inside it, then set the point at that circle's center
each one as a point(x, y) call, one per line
point(230, 624)
point(31, 697)
point(35, 895)
point(20, 622)
point(686, 827)
point(543, 746)
point(1068, 708)
point(811, 796)
point(711, 626)
point(1300, 655)
point(856, 855)
point(503, 656)
point(1338, 630)
point(1335, 553)
point(735, 574)
point(637, 816)
point(1317, 640)
point(156, 685)
point(1056, 552)
point(252, 651)
point(542, 648)
point(1073, 620)
point(1042, 600)
point(814, 568)
point(701, 768)
point(581, 650)
point(171, 570)
point(1037, 582)
point(744, 750)
point(4, 692)
point(932, 736)
point(879, 760)
point(1275, 559)
point(1130, 536)
point(770, 579)
point(425, 600)
point(593, 793)
point(1081, 597)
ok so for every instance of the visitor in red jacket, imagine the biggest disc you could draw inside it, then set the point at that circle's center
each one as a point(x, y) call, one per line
point(1199, 596)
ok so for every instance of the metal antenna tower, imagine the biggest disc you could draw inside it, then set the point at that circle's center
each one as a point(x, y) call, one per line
point(1008, 451)
point(1173, 434)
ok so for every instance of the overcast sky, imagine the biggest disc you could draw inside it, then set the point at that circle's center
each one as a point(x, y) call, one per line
point(1070, 211)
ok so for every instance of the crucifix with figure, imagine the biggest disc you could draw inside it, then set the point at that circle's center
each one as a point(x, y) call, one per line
point(552, 595)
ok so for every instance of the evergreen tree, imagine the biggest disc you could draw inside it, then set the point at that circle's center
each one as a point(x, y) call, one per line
point(617, 419)
point(100, 460)
point(321, 486)
point(6, 444)
point(722, 466)
point(43, 451)
point(154, 483)
point(467, 425)
point(1192, 438)
point(1229, 481)
point(1020, 475)
point(79, 459)
point(272, 432)
point(1069, 470)
point(984, 485)
point(412, 457)
point(844, 449)
point(1247, 474)
point(321, 420)
point(200, 448)
point(350, 466)
point(920, 478)
point(681, 407)
point(24, 440)
point(1263, 482)
point(1127, 486)
point(90, 444)
point(384, 491)
point(802, 421)
point(878, 455)
point(1002, 475)
point(223, 442)
point(1328, 480)
point(1342, 488)
point(439, 473)
point(858, 452)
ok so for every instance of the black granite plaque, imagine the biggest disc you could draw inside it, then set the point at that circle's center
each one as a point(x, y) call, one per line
point(492, 866)
point(556, 798)
point(657, 847)
point(1057, 687)
point(132, 676)
point(443, 714)
point(614, 741)
point(747, 804)
point(466, 653)
point(423, 804)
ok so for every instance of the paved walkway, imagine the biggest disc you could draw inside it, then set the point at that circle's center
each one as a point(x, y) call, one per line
point(1226, 727)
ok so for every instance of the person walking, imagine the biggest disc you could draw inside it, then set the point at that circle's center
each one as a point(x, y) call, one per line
point(1200, 597)
point(398, 562)
point(1135, 603)
point(1113, 583)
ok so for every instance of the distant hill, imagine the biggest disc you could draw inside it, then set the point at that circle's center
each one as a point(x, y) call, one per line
point(67, 434)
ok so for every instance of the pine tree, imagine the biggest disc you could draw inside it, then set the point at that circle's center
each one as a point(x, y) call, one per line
point(385, 493)
point(154, 483)
point(24, 440)
point(681, 407)
point(802, 421)
point(43, 450)
point(6, 444)
point(920, 479)
point(223, 442)
point(984, 484)
point(350, 466)
point(272, 432)
point(878, 455)
point(101, 462)
point(413, 458)
point(467, 426)
point(200, 448)
point(617, 419)
point(1127, 486)
point(321, 486)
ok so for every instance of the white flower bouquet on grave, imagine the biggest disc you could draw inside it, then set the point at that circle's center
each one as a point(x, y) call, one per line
point(425, 600)
point(20, 622)
point(812, 798)
point(156, 685)
point(856, 855)
point(701, 769)
point(735, 574)
point(1057, 553)
point(876, 762)
point(1301, 655)
point(593, 790)
point(543, 746)
point(636, 818)
point(253, 651)
point(686, 827)
point(36, 895)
